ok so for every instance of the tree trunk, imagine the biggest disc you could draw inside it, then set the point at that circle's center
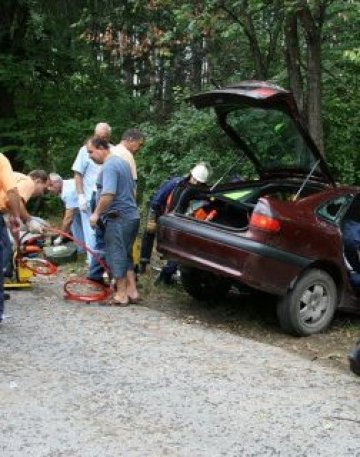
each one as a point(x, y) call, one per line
point(196, 65)
point(313, 92)
point(292, 57)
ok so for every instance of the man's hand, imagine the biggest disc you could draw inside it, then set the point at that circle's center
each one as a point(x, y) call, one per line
point(83, 206)
point(93, 220)
point(151, 226)
point(58, 240)
point(36, 226)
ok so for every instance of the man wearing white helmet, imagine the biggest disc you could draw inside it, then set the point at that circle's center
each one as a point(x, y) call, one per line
point(161, 202)
point(199, 174)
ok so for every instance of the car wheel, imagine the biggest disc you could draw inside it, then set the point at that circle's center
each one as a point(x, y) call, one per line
point(310, 306)
point(204, 286)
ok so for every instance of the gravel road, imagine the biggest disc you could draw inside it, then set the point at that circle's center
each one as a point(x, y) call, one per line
point(91, 381)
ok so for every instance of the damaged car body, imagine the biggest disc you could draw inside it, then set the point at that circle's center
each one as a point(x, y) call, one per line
point(280, 233)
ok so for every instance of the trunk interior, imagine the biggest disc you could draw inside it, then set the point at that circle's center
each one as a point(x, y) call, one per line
point(232, 206)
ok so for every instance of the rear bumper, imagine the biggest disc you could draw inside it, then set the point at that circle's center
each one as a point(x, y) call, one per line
point(228, 253)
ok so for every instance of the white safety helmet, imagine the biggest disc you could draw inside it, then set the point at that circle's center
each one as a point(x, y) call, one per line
point(200, 172)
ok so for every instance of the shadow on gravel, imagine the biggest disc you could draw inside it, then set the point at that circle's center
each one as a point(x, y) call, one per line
point(253, 316)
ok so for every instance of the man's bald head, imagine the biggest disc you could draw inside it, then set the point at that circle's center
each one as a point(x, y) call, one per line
point(103, 131)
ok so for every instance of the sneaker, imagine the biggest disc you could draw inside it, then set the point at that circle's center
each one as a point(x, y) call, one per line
point(162, 278)
point(354, 359)
point(6, 296)
point(142, 268)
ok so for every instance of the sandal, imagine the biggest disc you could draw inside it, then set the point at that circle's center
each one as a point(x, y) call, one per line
point(133, 301)
point(114, 302)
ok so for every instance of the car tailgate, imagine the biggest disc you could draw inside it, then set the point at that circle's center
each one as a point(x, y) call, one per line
point(228, 253)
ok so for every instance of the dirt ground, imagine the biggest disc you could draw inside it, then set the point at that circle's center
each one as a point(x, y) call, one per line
point(254, 317)
point(169, 377)
point(245, 315)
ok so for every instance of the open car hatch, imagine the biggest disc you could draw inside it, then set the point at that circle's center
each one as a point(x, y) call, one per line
point(264, 121)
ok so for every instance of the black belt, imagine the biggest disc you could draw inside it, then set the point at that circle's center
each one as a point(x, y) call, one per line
point(112, 215)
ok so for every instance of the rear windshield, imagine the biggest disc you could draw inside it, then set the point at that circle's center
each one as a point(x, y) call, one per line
point(273, 138)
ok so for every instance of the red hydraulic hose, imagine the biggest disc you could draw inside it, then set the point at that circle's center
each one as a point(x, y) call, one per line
point(101, 292)
point(44, 266)
point(80, 244)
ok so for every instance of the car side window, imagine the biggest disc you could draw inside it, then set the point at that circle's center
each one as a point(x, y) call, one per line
point(332, 209)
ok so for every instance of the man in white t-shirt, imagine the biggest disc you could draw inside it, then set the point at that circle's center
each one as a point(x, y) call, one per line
point(66, 190)
point(85, 174)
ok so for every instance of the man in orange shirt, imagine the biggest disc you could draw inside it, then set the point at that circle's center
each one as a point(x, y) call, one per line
point(9, 190)
point(32, 185)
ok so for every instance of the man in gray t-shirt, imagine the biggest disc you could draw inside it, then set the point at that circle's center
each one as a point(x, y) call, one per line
point(117, 217)
point(115, 179)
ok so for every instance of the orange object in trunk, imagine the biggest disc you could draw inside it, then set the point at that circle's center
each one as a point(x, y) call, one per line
point(200, 214)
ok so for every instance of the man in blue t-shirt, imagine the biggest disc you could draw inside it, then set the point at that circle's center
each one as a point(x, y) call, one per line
point(117, 216)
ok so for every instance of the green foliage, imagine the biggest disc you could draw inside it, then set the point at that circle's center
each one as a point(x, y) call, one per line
point(53, 120)
point(59, 84)
point(341, 105)
point(188, 137)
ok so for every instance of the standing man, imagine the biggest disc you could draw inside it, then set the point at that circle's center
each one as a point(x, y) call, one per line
point(66, 190)
point(117, 214)
point(131, 142)
point(85, 175)
point(10, 204)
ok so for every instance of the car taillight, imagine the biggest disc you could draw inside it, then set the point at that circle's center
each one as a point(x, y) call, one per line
point(264, 222)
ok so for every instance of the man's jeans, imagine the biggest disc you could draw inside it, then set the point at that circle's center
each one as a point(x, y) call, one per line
point(147, 245)
point(4, 239)
point(96, 270)
point(77, 229)
point(89, 233)
point(121, 235)
point(7, 255)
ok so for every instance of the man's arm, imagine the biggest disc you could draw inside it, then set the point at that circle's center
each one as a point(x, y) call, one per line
point(13, 202)
point(66, 224)
point(103, 203)
point(79, 184)
point(13, 205)
point(24, 215)
point(67, 220)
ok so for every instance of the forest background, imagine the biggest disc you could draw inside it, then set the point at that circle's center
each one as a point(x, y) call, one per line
point(66, 65)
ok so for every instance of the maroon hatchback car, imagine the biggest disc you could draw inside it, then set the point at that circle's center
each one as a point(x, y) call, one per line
point(279, 233)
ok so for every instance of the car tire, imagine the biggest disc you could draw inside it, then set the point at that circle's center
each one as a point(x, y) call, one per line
point(310, 306)
point(204, 286)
